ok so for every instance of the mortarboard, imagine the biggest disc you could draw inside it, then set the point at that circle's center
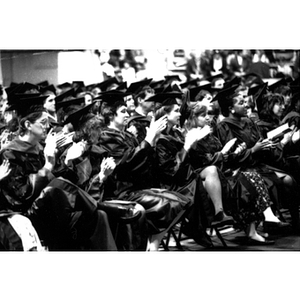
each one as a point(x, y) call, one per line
point(190, 84)
point(171, 78)
point(233, 81)
point(165, 98)
point(157, 84)
point(43, 83)
point(69, 93)
point(69, 102)
point(48, 88)
point(252, 78)
point(122, 87)
point(26, 106)
point(196, 90)
point(225, 94)
point(213, 77)
point(184, 108)
point(276, 84)
point(104, 85)
point(258, 96)
point(64, 85)
point(136, 87)
point(112, 98)
point(78, 84)
point(75, 117)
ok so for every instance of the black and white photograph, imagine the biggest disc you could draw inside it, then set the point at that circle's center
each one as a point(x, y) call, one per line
point(139, 141)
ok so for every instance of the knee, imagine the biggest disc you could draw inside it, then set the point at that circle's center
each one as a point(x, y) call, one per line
point(212, 171)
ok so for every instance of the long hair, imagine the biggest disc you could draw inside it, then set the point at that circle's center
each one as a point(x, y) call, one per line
point(89, 131)
point(109, 111)
point(195, 110)
point(266, 112)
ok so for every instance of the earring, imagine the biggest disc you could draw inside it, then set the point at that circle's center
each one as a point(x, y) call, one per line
point(232, 111)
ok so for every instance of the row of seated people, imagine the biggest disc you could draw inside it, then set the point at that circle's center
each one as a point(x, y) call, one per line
point(124, 179)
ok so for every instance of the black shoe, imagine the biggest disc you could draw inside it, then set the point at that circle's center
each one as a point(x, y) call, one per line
point(252, 242)
point(276, 227)
point(221, 219)
point(204, 241)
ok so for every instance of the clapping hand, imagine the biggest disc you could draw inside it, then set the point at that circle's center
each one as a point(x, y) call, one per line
point(4, 169)
point(75, 151)
point(106, 168)
point(155, 128)
point(228, 146)
point(50, 149)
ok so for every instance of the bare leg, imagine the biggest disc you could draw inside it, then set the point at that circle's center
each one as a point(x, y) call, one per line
point(212, 184)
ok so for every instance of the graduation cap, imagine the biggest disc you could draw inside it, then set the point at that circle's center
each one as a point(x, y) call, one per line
point(64, 85)
point(25, 87)
point(78, 84)
point(66, 103)
point(225, 95)
point(75, 117)
point(258, 96)
point(136, 87)
point(157, 84)
point(190, 84)
point(196, 90)
point(184, 108)
point(26, 106)
point(233, 81)
point(252, 78)
point(69, 93)
point(104, 85)
point(49, 88)
point(214, 77)
point(122, 87)
point(276, 84)
point(171, 78)
point(43, 83)
point(112, 98)
point(165, 99)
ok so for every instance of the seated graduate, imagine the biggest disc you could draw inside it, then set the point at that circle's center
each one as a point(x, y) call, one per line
point(176, 173)
point(26, 189)
point(134, 178)
point(83, 162)
point(249, 203)
point(236, 124)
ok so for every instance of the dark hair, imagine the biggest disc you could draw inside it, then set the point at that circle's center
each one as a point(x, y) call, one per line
point(109, 111)
point(31, 118)
point(89, 131)
point(283, 90)
point(142, 93)
point(226, 103)
point(270, 100)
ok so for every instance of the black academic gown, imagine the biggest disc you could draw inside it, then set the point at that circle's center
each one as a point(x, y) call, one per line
point(55, 218)
point(134, 179)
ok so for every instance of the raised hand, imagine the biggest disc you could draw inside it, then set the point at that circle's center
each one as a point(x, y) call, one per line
point(4, 169)
point(75, 151)
point(155, 128)
point(106, 168)
point(228, 146)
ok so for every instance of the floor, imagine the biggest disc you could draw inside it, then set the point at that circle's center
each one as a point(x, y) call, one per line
point(236, 241)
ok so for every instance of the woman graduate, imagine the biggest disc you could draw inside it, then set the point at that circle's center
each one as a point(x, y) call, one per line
point(25, 190)
point(257, 152)
point(134, 178)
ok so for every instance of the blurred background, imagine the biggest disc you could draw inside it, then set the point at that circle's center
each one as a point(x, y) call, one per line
point(96, 65)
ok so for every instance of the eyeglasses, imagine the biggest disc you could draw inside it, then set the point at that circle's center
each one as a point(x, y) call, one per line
point(43, 123)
